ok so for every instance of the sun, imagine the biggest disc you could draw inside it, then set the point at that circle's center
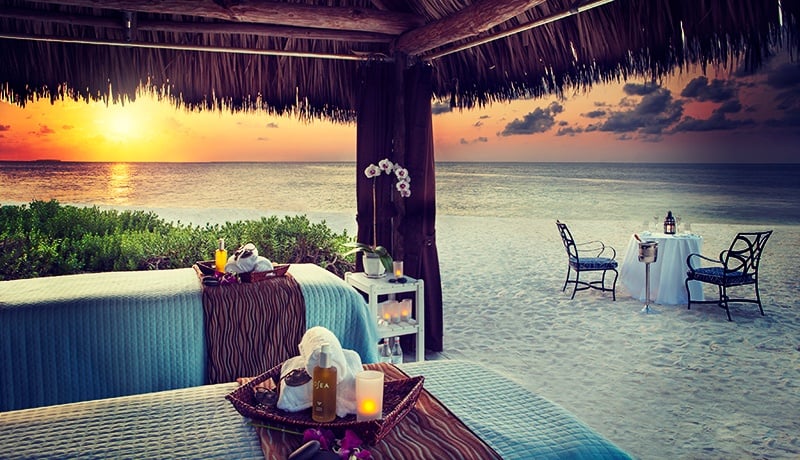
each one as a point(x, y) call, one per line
point(120, 124)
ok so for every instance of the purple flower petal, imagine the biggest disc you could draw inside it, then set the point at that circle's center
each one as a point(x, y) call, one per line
point(350, 440)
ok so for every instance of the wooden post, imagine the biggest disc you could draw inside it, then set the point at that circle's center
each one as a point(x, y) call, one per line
point(395, 121)
point(399, 153)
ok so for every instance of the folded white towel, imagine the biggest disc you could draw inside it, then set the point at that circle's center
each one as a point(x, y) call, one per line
point(347, 363)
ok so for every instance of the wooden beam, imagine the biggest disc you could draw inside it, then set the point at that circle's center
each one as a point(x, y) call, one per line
point(267, 12)
point(199, 27)
point(268, 30)
point(515, 30)
point(468, 22)
point(356, 56)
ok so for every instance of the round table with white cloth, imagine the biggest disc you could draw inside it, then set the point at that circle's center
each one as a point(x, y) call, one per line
point(667, 273)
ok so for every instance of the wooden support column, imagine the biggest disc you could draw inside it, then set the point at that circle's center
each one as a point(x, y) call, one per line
point(398, 154)
point(421, 259)
point(374, 133)
point(395, 122)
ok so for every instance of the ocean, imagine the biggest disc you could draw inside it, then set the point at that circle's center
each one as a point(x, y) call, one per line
point(702, 193)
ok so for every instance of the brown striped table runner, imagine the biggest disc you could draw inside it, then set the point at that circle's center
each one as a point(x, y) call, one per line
point(429, 431)
point(252, 327)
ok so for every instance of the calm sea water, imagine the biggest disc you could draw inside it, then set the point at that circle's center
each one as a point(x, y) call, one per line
point(768, 194)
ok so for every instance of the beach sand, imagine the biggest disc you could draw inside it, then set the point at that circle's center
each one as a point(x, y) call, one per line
point(680, 384)
point(677, 384)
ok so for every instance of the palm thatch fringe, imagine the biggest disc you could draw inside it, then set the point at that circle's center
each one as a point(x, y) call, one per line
point(612, 42)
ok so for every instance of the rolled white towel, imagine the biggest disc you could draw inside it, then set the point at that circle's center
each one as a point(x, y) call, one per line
point(346, 388)
point(311, 348)
point(262, 264)
point(243, 260)
point(294, 399)
point(347, 363)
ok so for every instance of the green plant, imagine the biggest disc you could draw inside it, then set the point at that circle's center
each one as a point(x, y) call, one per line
point(45, 238)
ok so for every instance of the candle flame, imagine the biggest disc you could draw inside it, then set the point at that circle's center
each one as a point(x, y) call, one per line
point(368, 406)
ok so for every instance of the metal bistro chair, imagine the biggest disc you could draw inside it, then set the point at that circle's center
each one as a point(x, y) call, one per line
point(578, 262)
point(736, 266)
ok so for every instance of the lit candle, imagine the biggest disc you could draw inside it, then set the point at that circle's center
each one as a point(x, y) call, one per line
point(394, 310)
point(386, 309)
point(398, 269)
point(405, 309)
point(369, 395)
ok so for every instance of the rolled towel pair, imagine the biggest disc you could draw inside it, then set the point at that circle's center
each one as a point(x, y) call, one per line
point(246, 259)
point(347, 364)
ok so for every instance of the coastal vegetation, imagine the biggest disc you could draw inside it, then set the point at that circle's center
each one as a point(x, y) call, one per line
point(45, 238)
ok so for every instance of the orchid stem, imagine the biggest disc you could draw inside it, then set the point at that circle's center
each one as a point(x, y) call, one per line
point(374, 217)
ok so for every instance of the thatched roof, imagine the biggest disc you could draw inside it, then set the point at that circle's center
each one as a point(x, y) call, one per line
point(302, 56)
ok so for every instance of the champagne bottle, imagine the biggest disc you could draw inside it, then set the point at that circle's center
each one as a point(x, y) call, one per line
point(323, 399)
point(386, 351)
point(397, 351)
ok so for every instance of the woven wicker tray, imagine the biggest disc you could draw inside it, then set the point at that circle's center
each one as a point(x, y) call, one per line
point(399, 397)
point(207, 267)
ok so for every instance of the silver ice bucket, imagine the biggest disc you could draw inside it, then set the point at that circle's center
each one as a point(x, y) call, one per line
point(648, 251)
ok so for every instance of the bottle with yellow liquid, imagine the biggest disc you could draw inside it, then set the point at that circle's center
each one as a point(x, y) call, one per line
point(221, 256)
point(323, 399)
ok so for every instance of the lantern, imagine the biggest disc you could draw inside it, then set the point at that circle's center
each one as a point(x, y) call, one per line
point(669, 224)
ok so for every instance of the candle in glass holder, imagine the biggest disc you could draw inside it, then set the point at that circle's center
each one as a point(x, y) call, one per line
point(385, 310)
point(369, 395)
point(405, 309)
point(398, 269)
point(396, 306)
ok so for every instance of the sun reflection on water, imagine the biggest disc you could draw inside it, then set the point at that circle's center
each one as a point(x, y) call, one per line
point(119, 183)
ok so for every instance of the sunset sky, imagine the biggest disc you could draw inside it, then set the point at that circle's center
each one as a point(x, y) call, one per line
point(719, 117)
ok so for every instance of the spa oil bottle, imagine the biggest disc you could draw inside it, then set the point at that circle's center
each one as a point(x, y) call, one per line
point(323, 399)
point(221, 256)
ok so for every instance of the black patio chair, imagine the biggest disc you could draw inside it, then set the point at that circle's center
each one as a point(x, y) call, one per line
point(579, 262)
point(736, 266)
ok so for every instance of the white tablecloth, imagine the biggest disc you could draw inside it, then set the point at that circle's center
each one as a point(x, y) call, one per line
point(667, 274)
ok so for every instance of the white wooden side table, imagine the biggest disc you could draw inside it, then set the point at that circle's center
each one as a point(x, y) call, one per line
point(375, 287)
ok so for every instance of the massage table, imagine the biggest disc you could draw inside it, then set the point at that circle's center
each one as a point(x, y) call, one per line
point(100, 335)
point(200, 423)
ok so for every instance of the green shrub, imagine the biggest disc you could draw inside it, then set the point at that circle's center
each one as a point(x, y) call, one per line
point(46, 238)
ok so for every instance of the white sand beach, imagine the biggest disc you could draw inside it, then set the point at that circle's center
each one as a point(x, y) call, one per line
point(677, 384)
point(680, 384)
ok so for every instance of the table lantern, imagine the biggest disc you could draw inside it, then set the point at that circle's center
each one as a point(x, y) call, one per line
point(669, 224)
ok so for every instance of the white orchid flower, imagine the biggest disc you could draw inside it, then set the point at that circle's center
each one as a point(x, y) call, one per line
point(372, 171)
point(386, 165)
point(402, 174)
point(405, 193)
point(403, 185)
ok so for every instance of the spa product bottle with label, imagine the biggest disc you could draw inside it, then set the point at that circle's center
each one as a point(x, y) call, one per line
point(221, 256)
point(323, 399)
